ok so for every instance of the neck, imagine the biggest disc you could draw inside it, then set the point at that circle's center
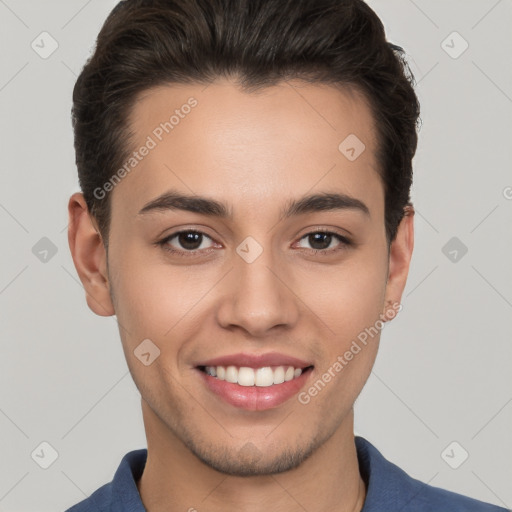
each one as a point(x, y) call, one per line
point(175, 479)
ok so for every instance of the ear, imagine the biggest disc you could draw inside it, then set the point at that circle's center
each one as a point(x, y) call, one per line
point(400, 255)
point(89, 256)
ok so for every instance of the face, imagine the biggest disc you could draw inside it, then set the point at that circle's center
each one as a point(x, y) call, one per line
point(245, 273)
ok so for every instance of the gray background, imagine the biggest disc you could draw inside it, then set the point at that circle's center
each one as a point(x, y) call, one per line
point(443, 371)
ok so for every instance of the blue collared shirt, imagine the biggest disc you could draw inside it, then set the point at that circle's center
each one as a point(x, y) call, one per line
point(389, 488)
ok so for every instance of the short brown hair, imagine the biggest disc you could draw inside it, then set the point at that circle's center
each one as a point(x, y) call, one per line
point(145, 43)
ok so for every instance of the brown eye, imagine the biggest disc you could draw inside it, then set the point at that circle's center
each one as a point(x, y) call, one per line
point(322, 242)
point(188, 241)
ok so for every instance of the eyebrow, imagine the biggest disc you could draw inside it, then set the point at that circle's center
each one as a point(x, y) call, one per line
point(324, 201)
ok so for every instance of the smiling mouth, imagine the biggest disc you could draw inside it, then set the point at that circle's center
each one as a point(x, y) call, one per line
point(261, 377)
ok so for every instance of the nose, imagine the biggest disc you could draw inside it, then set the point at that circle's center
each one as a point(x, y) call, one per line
point(258, 297)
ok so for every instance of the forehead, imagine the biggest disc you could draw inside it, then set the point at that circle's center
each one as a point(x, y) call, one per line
point(251, 148)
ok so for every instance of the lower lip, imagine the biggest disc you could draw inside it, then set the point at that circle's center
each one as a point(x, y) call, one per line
point(255, 398)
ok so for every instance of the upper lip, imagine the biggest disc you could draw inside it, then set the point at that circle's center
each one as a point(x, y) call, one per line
point(256, 360)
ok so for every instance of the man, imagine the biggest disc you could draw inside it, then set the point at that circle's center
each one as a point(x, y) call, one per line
point(245, 168)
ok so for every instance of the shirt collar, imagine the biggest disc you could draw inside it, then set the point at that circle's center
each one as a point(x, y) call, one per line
point(387, 486)
point(125, 495)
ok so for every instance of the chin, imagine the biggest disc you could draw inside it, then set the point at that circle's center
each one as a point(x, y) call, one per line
point(249, 460)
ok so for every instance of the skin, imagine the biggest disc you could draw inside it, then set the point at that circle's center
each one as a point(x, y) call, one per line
point(254, 152)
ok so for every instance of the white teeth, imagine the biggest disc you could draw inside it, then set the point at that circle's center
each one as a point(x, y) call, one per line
point(211, 370)
point(232, 374)
point(289, 374)
point(246, 376)
point(264, 377)
point(261, 377)
point(279, 375)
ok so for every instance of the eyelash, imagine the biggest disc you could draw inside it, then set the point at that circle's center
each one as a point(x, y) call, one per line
point(344, 243)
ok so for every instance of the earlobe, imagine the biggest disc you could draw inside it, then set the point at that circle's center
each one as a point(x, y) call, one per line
point(400, 255)
point(89, 256)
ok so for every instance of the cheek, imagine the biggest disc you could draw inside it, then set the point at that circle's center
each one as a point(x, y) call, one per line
point(348, 297)
point(155, 299)
point(349, 300)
